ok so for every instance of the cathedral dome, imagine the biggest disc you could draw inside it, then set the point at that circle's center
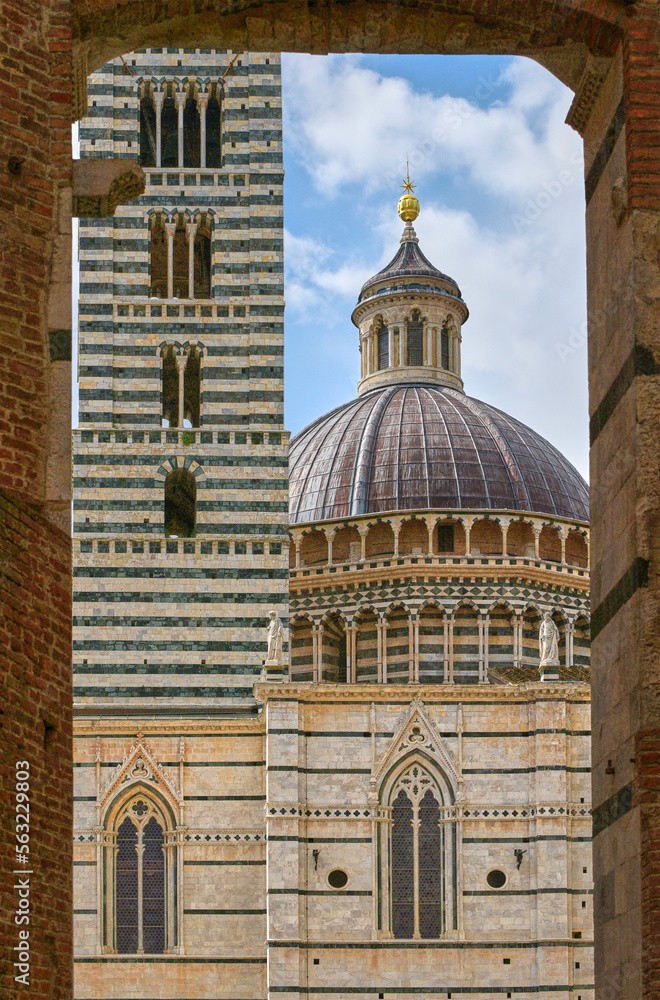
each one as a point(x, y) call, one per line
point(412, 447)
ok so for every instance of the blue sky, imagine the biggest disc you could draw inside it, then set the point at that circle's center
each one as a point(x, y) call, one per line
point(499, 178)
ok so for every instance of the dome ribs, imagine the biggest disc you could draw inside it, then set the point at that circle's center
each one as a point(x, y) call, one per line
point(422, 447)
point(365, 453)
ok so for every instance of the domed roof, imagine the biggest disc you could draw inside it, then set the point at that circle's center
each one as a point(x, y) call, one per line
point(409, 263)
point(412, 447)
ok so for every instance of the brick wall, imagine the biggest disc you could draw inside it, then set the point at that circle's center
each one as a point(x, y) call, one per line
point(35, 165)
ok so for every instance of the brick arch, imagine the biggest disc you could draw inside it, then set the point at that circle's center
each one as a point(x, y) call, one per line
point(544, 30)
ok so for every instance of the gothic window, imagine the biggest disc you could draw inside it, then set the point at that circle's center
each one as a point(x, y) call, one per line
point(420, 845)
point(213, 144)
point(415, 339)
point(140, 898)
point(180, 504)
point(444, 346)
point(191, 133)
point(147, 132)
point(169, 131)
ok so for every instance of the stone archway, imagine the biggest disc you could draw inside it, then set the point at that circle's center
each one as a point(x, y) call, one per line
point(609, 52)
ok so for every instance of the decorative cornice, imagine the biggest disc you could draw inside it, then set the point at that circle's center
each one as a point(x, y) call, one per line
point(400, 694)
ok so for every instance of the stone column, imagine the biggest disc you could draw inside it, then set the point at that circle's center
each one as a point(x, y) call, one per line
point(537, 536)
point(297, 542)
point(180, 105)
point(396, 528)
point(383, 640)
point(483, 644)
point(202, 103)
point(351, 671)
point(416, 650)
point(563, 535)
point(430, 527)
point(403, 344)
point(170, 230)
point(191, 231)
point(159, 97)
point(505, 523)
point(181, 362)
point(362, 531)
point(467, 525)
point(330, 537)
point(391, 360)
point(445, 658)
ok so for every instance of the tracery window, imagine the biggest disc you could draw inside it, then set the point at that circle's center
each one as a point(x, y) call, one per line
point(139, 924)
point(422, 849)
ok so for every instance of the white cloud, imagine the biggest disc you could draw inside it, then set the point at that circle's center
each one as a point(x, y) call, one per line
point(522, 275)
point(350, 124)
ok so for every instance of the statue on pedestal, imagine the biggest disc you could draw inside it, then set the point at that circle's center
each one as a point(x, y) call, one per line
point(275, 634)
point(548, 642)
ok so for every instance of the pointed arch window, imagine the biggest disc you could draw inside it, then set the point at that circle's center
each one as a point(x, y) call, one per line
point(140, 917)
point(420, 898)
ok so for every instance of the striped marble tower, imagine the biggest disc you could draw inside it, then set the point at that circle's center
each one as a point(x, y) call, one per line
point(180, 459)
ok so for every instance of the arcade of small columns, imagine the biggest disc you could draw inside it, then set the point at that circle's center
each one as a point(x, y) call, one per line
point(429, 643)
point(193, 225)
point(181, 91)
point(396, 329)
point(498, 535)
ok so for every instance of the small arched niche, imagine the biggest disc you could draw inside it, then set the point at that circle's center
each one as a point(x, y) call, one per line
point(180, 503)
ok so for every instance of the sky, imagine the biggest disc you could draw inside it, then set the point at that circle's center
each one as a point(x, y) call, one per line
point(499, 176)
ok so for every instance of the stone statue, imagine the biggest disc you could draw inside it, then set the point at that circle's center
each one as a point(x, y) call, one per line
point(548, 642)
point(275, 634)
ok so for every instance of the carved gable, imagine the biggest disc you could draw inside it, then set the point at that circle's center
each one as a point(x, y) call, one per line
point(139, 766)
point(416, 731)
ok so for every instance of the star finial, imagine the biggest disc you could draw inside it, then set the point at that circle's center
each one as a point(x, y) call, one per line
point(408, 185)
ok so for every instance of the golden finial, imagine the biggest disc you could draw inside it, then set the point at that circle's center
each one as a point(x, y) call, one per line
point(408, 206)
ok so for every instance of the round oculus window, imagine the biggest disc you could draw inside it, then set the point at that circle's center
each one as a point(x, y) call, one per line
point(337, 878)
point(496, 879)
